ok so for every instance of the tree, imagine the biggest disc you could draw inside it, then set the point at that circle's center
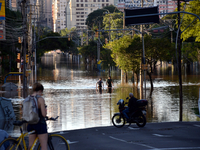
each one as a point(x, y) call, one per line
point(194, 29)
point(96, 16)
point(8, 48)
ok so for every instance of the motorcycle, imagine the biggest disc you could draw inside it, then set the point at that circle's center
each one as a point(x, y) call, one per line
point(137, 116)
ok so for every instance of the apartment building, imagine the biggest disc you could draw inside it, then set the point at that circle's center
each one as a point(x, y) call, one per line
point(45, 13)
point(164, 6)
point(79, 10)
point(59, 14)
point(130, 4)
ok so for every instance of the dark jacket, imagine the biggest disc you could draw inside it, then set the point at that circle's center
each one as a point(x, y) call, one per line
point(132, 104)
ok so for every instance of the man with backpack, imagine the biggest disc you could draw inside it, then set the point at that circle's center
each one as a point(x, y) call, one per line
point(35, 122)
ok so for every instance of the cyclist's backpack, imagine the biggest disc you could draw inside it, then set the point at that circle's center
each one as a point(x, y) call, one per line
point(30, 110)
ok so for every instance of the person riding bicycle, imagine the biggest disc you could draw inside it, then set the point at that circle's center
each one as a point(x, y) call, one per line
point(131, 106)
point(41, 127)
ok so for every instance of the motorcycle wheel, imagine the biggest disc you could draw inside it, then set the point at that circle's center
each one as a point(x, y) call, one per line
point(141, 121)
point(118, 120)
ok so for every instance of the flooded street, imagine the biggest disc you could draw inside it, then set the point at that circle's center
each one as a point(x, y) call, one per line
point(70, 93)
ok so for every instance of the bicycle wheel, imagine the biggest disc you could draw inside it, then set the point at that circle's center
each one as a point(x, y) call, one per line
point(9, 144)
point(56, 142)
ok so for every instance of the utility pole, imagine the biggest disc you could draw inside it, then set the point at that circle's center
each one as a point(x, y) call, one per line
point(179, 66)
point(141, 76)
point(24, 49)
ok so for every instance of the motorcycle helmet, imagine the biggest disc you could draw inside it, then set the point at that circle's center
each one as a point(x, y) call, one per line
point(120, 102)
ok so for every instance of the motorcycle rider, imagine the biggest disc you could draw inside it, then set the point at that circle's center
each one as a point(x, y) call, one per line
point(131, 106)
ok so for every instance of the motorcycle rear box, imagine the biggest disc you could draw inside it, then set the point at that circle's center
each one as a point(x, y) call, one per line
point(142, 102)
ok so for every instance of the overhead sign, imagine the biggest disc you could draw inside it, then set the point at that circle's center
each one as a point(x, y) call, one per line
point(2, 10)
point(141, 16)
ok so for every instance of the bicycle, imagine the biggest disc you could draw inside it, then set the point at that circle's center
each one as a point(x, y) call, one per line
point(55, 141)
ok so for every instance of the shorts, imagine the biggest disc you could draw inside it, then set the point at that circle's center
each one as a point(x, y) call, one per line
point(40, 128)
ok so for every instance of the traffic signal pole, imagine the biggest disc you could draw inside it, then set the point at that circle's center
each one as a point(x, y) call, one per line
point(24, 49)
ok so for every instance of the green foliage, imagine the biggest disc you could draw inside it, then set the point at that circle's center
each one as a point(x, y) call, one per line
point(54, 43)
point(65, 32)
point(190, 52)
point(96, 16)
point(127, 51)
point(194, 29)
point(113, 21)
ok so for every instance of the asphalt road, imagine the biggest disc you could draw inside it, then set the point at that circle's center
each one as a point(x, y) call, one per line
point(154, 136)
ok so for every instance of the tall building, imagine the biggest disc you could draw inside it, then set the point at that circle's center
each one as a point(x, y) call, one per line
point(45, 13)
point(166, 6)
point(59, 14)
point(79, 10)
point(13, 5)
point(131, 4)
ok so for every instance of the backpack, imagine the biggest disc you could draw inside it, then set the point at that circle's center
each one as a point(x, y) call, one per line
point(30, 110)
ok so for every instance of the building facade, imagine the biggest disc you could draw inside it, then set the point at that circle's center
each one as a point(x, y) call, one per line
point(164, 6)
point(79, 10)
point(59, 14)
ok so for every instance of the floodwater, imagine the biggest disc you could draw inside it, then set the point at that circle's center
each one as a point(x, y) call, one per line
point(70, 93)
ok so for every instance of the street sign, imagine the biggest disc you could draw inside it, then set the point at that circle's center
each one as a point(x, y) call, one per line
point(2, 10)
point(140, 16)
point(144, 66)
point(2, 20)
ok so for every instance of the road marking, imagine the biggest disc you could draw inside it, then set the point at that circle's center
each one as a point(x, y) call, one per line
point(61, 132)
point(133, 128)
point(196, 125)
point(159, 135)
point(71, 142)
point(103, 133)
point(132, 142)
point(187, 148)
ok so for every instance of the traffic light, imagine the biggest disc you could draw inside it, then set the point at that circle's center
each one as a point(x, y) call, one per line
point(18, 56)
point(19, 40)
point(27, 58)
point(106, 40)
point(96, 33)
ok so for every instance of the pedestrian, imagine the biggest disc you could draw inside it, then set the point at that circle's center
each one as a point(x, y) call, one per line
point(100, 83)
point(3, 136)
point(131, 106)
point(41, 127)
point(109, 82)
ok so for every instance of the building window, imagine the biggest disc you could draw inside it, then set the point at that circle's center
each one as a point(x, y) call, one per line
point(77, 19)
point(77, 5)
point(86, 1)
point(94, 0)
point(81, 0)
point(102, 5)
point(86, 5)
point(102, 0)
point(98, 0)
point(107, 0)
point(82, 12)
point(82, 5)
point(106, 4)
point(82, 16)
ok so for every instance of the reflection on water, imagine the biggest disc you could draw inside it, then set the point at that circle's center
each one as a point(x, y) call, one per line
point(70, 92)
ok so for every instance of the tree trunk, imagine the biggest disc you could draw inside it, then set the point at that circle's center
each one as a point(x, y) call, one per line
point(150, 78)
